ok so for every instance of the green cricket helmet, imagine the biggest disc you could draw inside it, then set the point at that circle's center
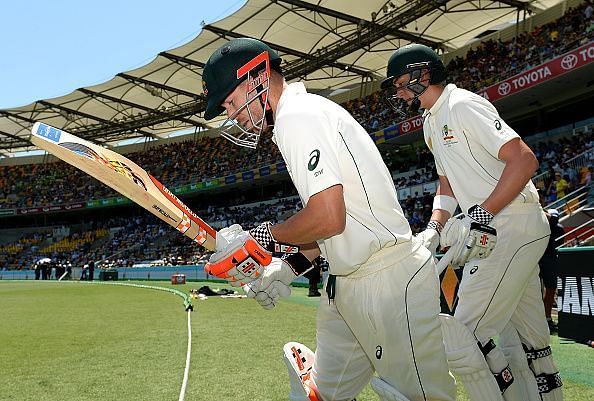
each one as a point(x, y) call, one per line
point(240, 60)
point(412, 59)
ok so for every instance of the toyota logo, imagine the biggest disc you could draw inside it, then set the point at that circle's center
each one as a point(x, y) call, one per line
point(405, 126)
point(504, 88)
point(569, 61)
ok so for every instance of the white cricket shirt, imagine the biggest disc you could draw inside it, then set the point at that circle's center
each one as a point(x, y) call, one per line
point(464, 132)
point(323, 145)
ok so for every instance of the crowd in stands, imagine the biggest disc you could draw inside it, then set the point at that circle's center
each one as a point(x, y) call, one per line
point(145, 238)
point(35, 185)
point(561, 175)
point(492, 61)
point(126, 241)
point(193, 161)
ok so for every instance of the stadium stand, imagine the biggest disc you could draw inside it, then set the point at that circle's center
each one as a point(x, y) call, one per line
point(146, 239)
point(127, 241)
point(492, 61)
point(54, 183)
point(179, 163)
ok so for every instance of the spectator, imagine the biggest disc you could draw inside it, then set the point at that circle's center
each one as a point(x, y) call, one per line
point(562, 185)
point(549, 265)
point(91, 270)
point(83, 273)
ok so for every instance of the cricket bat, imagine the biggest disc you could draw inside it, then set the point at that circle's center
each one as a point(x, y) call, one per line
point(126, 177)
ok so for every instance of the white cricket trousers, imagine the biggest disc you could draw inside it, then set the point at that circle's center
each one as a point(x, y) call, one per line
point(505, 287)
point(384, 318)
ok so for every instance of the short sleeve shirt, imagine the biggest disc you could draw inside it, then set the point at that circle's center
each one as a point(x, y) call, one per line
point(323, 146)
point(465, 133)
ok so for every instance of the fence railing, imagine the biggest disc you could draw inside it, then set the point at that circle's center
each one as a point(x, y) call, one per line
point(579, 235)
point(570, 203)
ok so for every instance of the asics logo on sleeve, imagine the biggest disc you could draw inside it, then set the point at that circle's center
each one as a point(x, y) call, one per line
point(314, 158)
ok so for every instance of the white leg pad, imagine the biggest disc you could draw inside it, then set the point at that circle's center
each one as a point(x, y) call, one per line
point(524, 386)
point(467, 361)
point(385, 391)
point(299, 360)
point(546, 375)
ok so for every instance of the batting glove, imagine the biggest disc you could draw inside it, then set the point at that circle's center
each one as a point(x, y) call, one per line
point(430, 236)
point(470, 236)
point(274, 283)
point(239, 258)
point(241, 255)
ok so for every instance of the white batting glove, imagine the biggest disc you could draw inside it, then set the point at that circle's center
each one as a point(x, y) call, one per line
point(273, 284)
point(239, 257)
point(229, 234)
point(430, 236)
point(267, 297)
point(470, 236)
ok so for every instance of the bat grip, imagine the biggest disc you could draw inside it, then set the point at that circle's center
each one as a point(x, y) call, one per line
point(445, 261)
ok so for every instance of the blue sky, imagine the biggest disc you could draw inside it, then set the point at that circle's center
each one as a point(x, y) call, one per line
point(50, 48)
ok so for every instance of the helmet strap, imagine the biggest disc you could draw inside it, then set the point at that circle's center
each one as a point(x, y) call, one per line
point(415, 104)
point(267, 110)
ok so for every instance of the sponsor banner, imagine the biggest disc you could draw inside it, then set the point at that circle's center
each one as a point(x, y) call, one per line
point(575, 288)
point(281, 167)
point(120, 200)
point(211, 183)
point(411, 125)
point(182, 189)
point(558, 66)
point(29, 210)
point(7, 212)
point(391, 132)
point(230, 179)
point(247, 175)
point(264, 171)
point(378, 137)
point(524, 80)
point(50, 209)
point(74, 206)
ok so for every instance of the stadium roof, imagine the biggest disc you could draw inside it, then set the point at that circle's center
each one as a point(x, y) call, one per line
point(329, 44)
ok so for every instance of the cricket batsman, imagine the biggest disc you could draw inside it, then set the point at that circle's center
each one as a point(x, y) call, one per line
point(380, 309)
point(484, 167)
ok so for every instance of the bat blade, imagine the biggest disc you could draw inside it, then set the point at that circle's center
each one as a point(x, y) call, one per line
point(127, 178)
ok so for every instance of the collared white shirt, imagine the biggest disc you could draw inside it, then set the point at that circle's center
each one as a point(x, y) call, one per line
point(465, 133)
point(323, 145)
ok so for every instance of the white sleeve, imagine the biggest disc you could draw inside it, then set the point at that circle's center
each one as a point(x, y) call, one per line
point(481, 122)
point(308, 144)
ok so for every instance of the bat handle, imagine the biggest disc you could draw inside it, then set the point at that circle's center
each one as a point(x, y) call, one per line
point(445, 261)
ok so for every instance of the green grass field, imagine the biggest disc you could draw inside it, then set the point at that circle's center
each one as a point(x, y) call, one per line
point(78, 341)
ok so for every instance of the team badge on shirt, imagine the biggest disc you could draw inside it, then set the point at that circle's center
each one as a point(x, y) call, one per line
point(448, 136)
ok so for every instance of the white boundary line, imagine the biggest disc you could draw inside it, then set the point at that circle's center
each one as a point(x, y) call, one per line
point(182, 392)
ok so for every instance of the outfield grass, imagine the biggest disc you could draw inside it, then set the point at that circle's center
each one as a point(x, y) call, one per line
point(75, 341)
